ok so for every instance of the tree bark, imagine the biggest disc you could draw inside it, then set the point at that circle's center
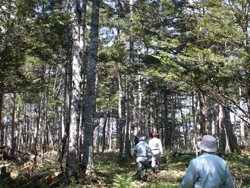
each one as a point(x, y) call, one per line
point(12, 122)
point(128, 120)
point(139, 106)
point(83, 74)
point(1, 120)
point(120, 119)
point(110, 131)
point(202, 119)
point(194, 123)
point(242, 124)
point(64, 123)
point(166, 124)
point(72, 162)
point(173, 120)
point(222, 137)
point(232, 140)
point(90, 91)
point(37, 127)
point(104, 133)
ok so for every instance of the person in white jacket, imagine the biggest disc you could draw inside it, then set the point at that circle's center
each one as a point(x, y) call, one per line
point(156, 147)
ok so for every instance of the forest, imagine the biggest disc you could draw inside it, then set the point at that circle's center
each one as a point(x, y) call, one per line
point(81, 81)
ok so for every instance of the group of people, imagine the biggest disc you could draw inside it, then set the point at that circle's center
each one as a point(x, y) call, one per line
point(148, 152)
point(206, 171)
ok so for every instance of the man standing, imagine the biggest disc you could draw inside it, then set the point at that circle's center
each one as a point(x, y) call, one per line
point(142, 153)
point(156, 147)
point(208, 170)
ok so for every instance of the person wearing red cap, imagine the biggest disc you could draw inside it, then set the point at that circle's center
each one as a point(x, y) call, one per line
point(156, 147)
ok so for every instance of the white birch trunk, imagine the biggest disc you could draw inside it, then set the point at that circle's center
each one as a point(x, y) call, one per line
point(76, 89)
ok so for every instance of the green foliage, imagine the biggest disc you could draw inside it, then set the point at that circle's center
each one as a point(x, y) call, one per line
point(31, 36)
point(203, 51)
point(113, 171)
point(122, 182)
point(5, 182)
point(162, 185)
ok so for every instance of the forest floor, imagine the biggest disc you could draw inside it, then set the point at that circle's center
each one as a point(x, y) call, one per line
point(113, 171)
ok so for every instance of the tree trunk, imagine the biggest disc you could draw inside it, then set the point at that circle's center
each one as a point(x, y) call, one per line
point(140, 107)
point(19, 131)
point(202, 119)
point(110, 131)
point(184, 125)
point(37, 128)
point(2, 127)
point(120, 119)
point(96, 140)
point(104, 133)
point(12, 122)
point(194, 123)
point(173, 120)
point(64, 122)
point(232, 140)
point(67, 112)
point(45, 132)
point(83, 75)
point(90, 90)
point(166, 124)
point(222, 137)
point(72, 162)
point(214, 114)
point(149, 113)
point(128, 120)
point(242, 124)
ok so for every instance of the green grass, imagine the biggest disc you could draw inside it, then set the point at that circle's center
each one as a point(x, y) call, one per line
point(113, 171)
point(173, 168)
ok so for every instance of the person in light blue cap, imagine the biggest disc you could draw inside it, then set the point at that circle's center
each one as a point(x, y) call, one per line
point(208, 170)
point(143, 154)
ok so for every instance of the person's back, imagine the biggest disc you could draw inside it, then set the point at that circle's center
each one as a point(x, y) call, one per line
point(157, 150)
point(155, 144)
point(142, 149)
point(143, 153)
point(208, 170)
point(211, 172)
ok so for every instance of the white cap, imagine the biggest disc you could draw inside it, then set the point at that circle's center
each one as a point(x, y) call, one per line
point(208, 144)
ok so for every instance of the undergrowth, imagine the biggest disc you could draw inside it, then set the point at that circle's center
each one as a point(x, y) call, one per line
point(113, 171)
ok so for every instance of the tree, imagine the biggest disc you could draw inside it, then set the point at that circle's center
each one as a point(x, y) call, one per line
point(75, 9)
point(12, 53)
point(210, 62)
point(90, 90)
